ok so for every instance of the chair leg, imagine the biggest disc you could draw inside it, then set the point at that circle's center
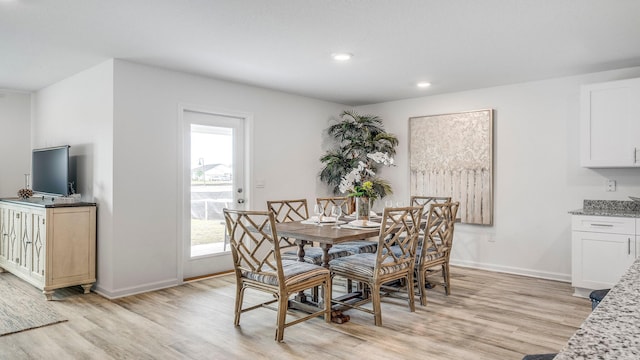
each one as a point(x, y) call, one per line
point(421, 287)
point(375, 301)
point(239, 296)
point(412, 304)
point(282, 317)
point(447, 278)
point(328, 286)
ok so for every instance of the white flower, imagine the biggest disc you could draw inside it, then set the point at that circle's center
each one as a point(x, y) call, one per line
point(381, 158)
point(357, 174)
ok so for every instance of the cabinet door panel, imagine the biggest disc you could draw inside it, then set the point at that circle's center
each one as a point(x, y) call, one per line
point(39, 246)
point(600, 259)
point(4, 235)
point(26, 241)
point(13, 236)
point(609, 124)
point(71, 259)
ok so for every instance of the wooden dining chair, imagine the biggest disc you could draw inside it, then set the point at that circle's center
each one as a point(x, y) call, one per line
point(400, 229)
point(286, 211)
point(434, 250)
point(328, 202)
point(258, 265)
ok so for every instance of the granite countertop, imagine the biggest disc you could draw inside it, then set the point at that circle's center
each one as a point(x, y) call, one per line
point(609, 208)
point(612, 330)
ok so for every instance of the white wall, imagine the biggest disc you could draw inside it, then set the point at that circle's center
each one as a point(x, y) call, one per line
point(15, 141)
point(537, 176)
point(122, 119)
point(286, 147)
point(78, 111)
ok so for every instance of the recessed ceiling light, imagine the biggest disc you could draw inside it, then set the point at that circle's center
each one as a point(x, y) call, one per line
point(423, 84)
point(341, 56)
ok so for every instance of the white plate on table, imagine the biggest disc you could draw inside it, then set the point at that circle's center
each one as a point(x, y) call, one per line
point(371, 215)
point(325, 219)
point(364, 224)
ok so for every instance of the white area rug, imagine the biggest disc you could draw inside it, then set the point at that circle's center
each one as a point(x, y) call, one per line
point(20, 311)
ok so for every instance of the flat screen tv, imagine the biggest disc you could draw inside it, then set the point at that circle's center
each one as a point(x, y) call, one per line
point(50, 171)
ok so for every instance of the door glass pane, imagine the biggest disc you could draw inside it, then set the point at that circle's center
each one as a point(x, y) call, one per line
point(211, 187)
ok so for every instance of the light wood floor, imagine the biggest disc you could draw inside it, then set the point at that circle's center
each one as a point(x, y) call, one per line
point(487, 316)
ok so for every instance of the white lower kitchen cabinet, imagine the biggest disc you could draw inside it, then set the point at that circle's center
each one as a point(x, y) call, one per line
point(603, 247)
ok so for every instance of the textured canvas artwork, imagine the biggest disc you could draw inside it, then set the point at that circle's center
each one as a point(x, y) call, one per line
point(452, 155)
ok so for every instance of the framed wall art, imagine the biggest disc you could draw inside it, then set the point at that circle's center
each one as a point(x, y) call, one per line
point(452, 155)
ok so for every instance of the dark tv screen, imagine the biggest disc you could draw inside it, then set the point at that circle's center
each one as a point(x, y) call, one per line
point(50, 170)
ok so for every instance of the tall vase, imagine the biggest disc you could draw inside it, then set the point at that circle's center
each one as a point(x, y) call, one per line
point(363, 206)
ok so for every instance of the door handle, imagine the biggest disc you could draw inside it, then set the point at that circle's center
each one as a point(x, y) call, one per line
point(240, 201)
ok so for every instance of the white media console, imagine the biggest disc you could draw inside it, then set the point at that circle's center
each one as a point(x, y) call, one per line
point(49, 244)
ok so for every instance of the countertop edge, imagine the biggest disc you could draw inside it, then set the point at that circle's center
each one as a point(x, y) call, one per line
point(604, 212)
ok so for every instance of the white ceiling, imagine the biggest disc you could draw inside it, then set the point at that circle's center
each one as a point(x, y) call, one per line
point(286, 44)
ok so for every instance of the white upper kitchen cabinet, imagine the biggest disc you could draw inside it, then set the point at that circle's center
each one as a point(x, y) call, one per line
point(610, 124)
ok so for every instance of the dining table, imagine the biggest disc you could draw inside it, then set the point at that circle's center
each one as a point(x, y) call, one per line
point(326, 235)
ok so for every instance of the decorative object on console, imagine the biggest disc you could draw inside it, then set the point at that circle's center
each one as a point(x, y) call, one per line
point(26, 192)
point(363, 207)
point(452, 155)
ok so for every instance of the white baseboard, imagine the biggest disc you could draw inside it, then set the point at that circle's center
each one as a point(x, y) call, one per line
point(513, 270)
point(133, 290)
point(114, 294)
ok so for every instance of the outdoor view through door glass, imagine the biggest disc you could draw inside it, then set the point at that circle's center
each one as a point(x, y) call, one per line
point(211, 187)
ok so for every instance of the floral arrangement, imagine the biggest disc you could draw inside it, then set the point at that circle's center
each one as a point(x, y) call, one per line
point(360, 146)
point(359, 182)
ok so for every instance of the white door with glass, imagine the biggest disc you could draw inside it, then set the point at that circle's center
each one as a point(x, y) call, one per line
point(213, 180)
